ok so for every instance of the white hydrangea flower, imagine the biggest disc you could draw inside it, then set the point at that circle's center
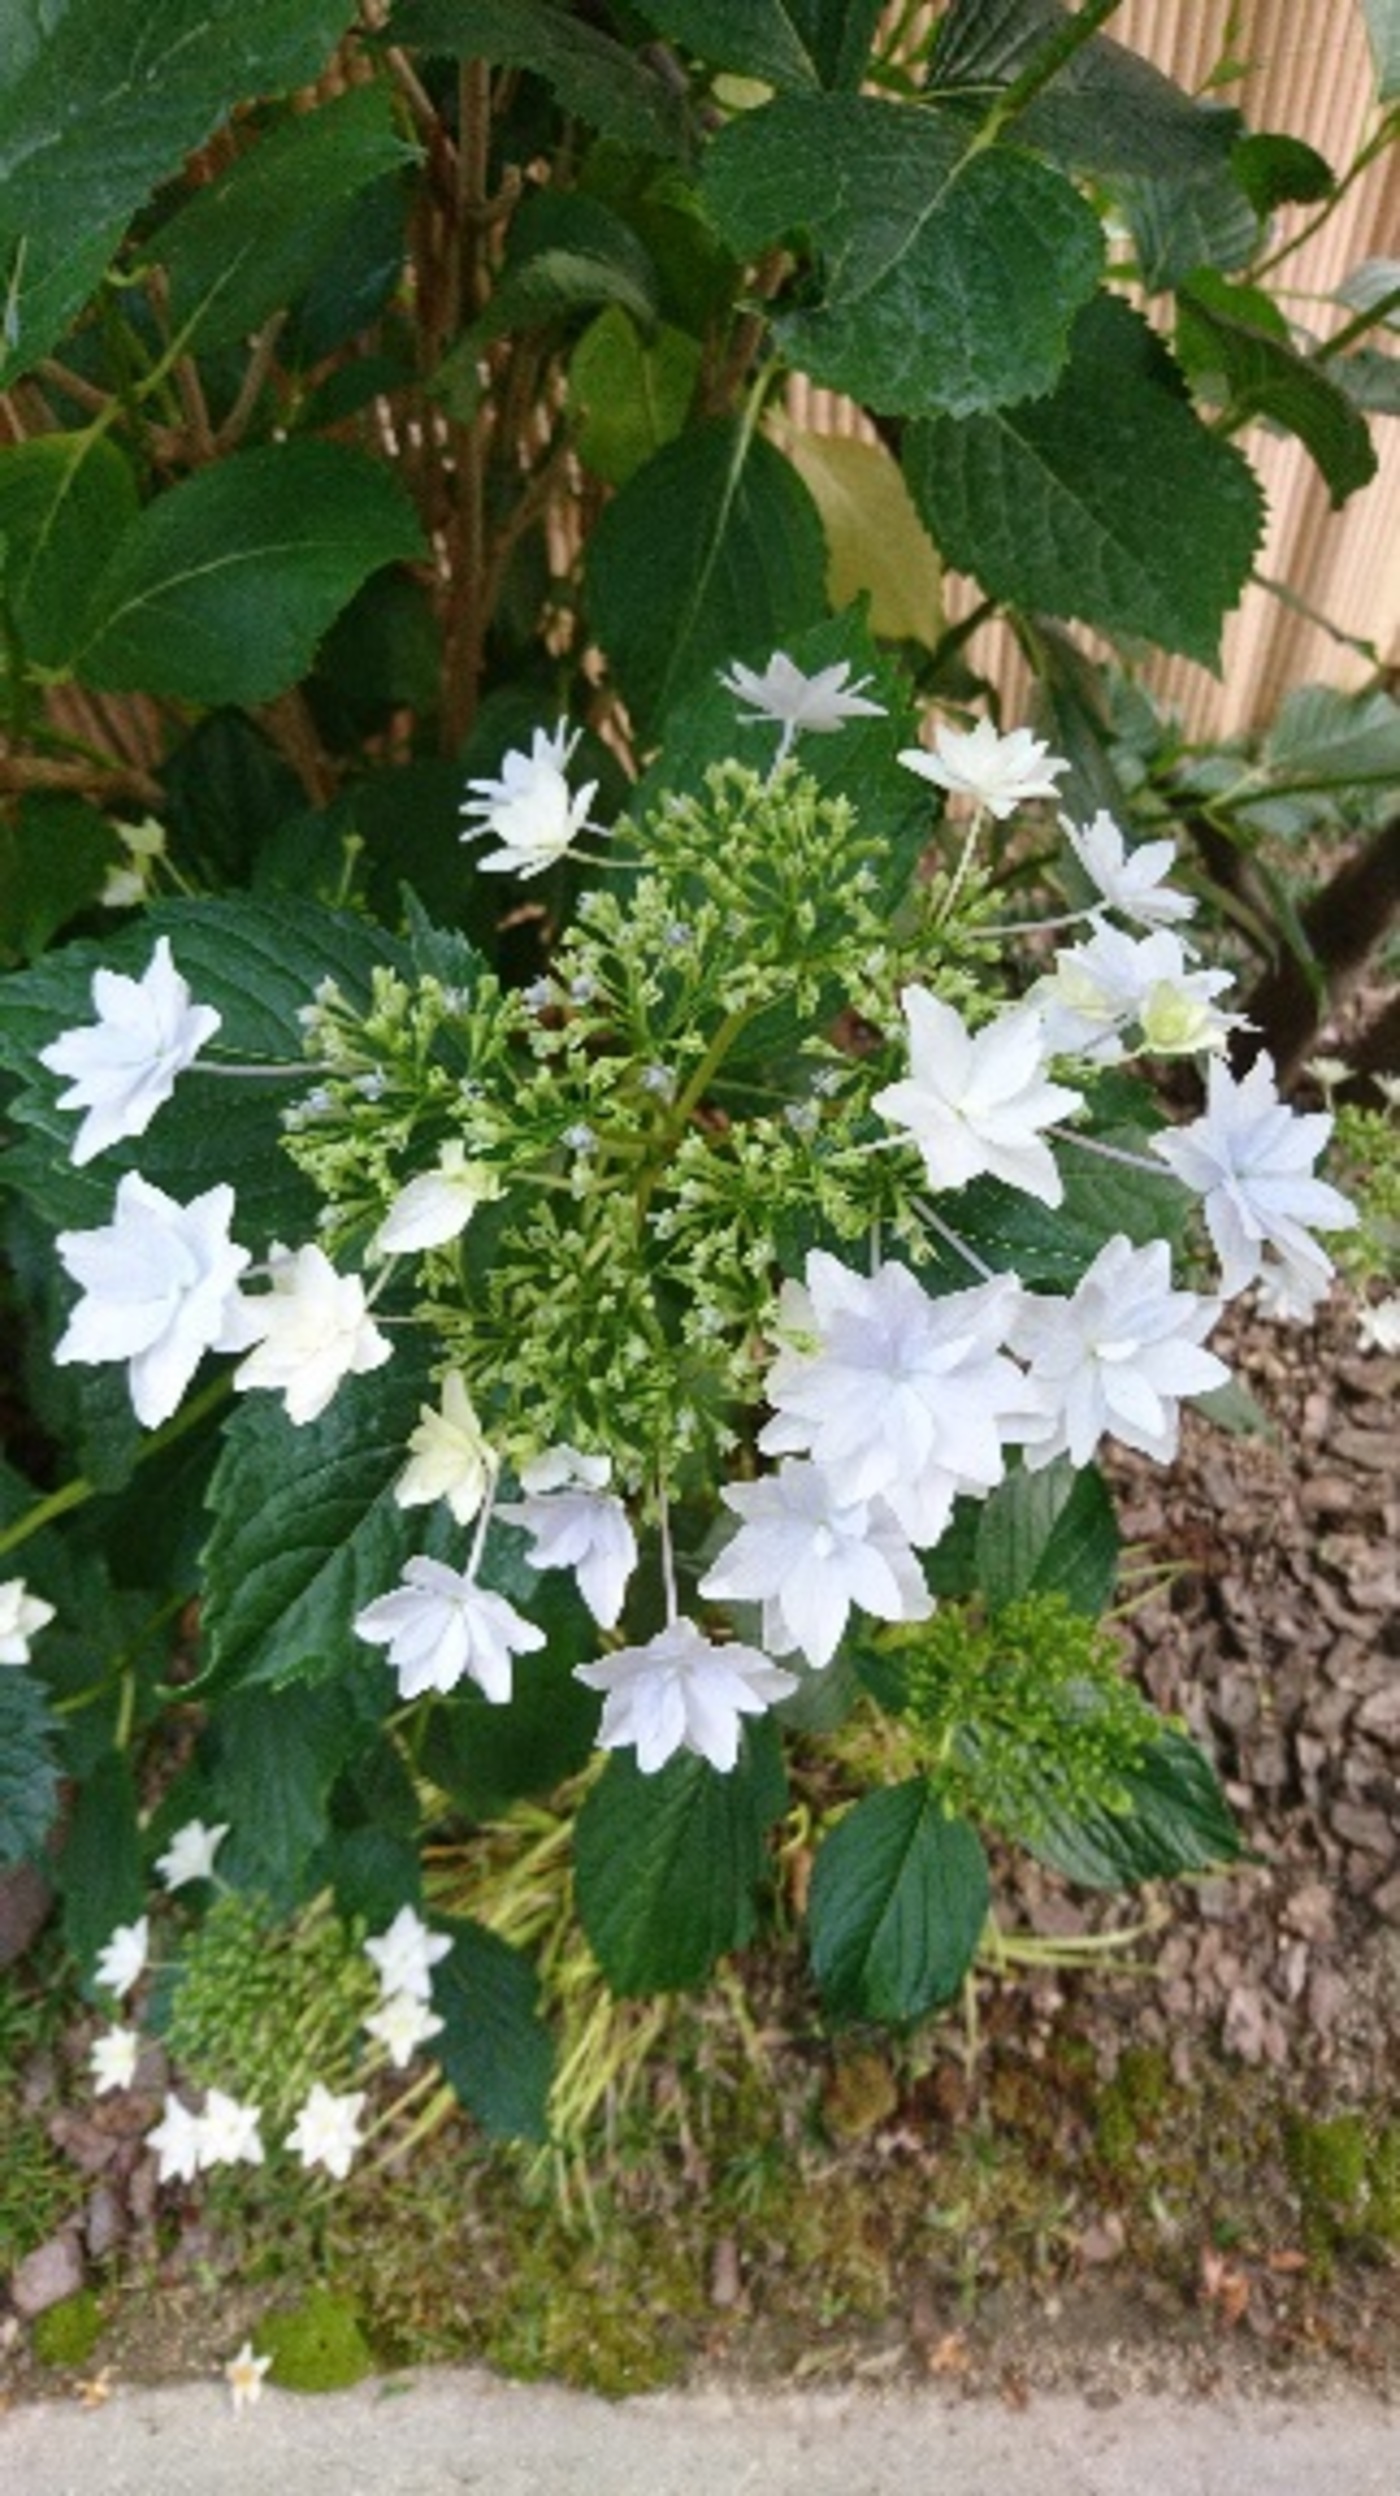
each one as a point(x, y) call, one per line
point(681, 1692)
point(1130, 880)
point(1117, 1357)
point(894, 1394)
point(798, 704)
point(405, 1955)
point(998, 772)
point(244, 2376)
point(160, 1284)
point(807, 1558)
point(112, 2059)
point(402, 2024)
point(530, 809)
point(436, 1207)
point(577, 1525)
point(1250, 1160)
point(440, 1627)
point(22, 1616)
point(122, 1957)
point(124, 1066)
point(1097, 989)
point(327, 2131)
point(177, 2141)
point(975, 1103)
point(449, 1455)
point(190, 1854)
point(1378, 1326)
point(312, 1330)
point(228, 2132)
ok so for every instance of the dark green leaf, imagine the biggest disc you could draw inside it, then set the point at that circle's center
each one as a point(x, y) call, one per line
point(221, 589)
point(494, 2047)
point(1109, 501)
point(785, 43)
point(667, 1867)
point(592, 74)
point(28, 1769)
point(1051, 1532)
point(487, 1758)
point(1175, 1819)
point(100, 101)
point(712, 551)
point(274, 1756)
point(1101, 1197)
point(1263, 376)
point(55, 853)
point(1203, 220)
point(227, 791)
point(99, 1867)
point(953, 272)
point(1273, 168)
point(248, 242)
point(630, 394)
point(65, 501)
point(1322, 733)
point(1383, 27)
point(1106, 110)
point(898, 1901)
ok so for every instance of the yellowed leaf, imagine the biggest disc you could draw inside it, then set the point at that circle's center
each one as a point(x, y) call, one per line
point(876, 543)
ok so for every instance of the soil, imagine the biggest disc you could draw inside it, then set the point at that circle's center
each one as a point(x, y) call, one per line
point(1173, 2165)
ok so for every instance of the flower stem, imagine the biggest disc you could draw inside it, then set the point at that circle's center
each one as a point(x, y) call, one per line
point(1107, 1152)
point(955, 1241)
point(74, 1493)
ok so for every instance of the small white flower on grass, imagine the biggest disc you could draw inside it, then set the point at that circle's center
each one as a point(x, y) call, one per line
point(178, 2143)
point(190, 1854)
point(577, 1525)
point(123, 1956)
point(1290, 1295)
point(244, 2376)
point(313, 1328)
point(440, 1627)
point(125, 1064)
point(449, 1455)
point(112, 2059)
point(402, 2024)
point(1097, 989)
point(998, 772)
point(1378, 1326)
point(228, 2132)
point(160, 1285)
point(681, 1692)
point(1130, 880)
point(1116, 1358)
point(405, 1955)
point(1250, 1160)
point(327, 2130)
point(807, 1558)
point(530, 809)
point(22, 1616)
point(800, 705)
point(975, 1103)
point(438, 1206)
point(894, 1394)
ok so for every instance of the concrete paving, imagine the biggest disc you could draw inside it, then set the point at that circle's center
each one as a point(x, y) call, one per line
point(468, 2434)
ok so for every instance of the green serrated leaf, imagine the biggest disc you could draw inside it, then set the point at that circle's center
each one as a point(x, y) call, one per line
point(667, 1867)
point(1273, 168)
point(487, 1757)
point(1109, 501)
point(785, 43)
point(1322, 733)
point(221, 589)
point(66, 499)
point(953, 272)
point(1015, 1234)
point(1175, 1819)
point(630, 394)
point(898, 1900)
point(494, 2048)
point(247, 243)
point(1051, 1532)
point(712, 551)
point(1383, 29)
point(274, 1756)
point(1220, 332)
point(100, 101)
point(1203, 220)
point(592, 74)
point(55, 853)
point(99, 1869)
point(28, 1770)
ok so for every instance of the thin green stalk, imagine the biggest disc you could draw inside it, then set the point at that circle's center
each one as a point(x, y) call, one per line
point(1047, 64)
point(74, 1493)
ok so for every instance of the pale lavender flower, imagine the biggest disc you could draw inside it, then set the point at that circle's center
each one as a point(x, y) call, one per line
point(190, 1854)
point(402, 2023)
point(406, 1954)
point(123, 1956)
point(177, 2141)
point(112, 2059)
point(313, 1329)
point(22, 1616)
point(436, 1207)
point(1097, 989)
point(530, 809)
point(327, 2130)
point(441, 1627)
point(577, 1525)
point(228, 2132)
point(976, 1102)
point(808, 1558)
point(681, 1692)
point(1378, 1326)
point(1130, 880)
point(1250, 1160)
point(998, 772)
point(1117, 1357)
point(800, 705)
point(124, 1066)
point(161, 1289)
